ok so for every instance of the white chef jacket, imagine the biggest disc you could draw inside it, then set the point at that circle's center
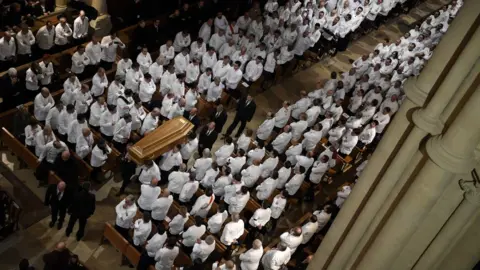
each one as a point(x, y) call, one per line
point(42, 106)
point(94, 53)
point(311, 139)
point(255, 154)
point(99, 84)
point(250, 175)
point(98, 158)
point(268, 166)
point(393, 105)
point(156, 71)
point(250, 259)
point(202, 250)
point(53, 117)
point(291, 241)
point(178, 89)
point(281, 141)
point(260, 217)
point(204, 82)
point(298, 128)
point(253, 71)
point(176, 180)
point(219, 186)
point(114, 91)
point(214, 91)
point(138, 114)
point(181, 62)
point(82, 101)
point(180, 41)
point(144, 60)
point(282, 117)
point(274, 259)
point(64, 121)
point(25, 42)
point(196, 51)
point(336, 133)
point(300, 106)
point(192, 72)
point(216, 41)
point(62, 33)
point(168, 53)
point(124, 104)
point(107, 122)
point(322, 219)
point(308, 230)
point(155, 244)
point(170, 160)
point(80, 27)
point(236, 164)
point(188, 149)
point(232, 231)
point(294, 184)
point(45, 37)
point(148, 174)
point(223, 153)
point(202, 205)
point(148, 196)
point(48, 151)
point(75, 129)
point(188, 190)
point(292, 153)
point(31, 80)
point(160, 207)
point(79, 61)
point(367, 135)
point(149, 123)
point(237, 203)
point(165, 258)
point(216, 221)
point(318, 170)
point(141, 231)
point(123, 66)
point(209, 177)
point(220, 70)
point(47, 72)
point(125, 216)
point(200, 167)
point(278, 205)
point(147, 89)
point(265, 129)
point(270, 63)
point(383, 120)
point(348, 143)
point(110, 51)
point(342, 196)
point(30, 134)
point(367, 114)
point(193, 233)
point(84, 145)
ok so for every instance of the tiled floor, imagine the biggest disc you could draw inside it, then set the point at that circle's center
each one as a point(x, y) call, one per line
point(34, 241)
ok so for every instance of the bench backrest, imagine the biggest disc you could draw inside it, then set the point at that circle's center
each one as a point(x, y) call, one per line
point(19, 149)
point(115, 238)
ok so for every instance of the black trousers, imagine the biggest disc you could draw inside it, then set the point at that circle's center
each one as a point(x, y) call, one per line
point(106, 65)
point(123, 232)
point(82, 222)
point(145, 261)
point(121, 147)
point(58, 212)
point(95, 173)
point(164, 175)
point(236, 121)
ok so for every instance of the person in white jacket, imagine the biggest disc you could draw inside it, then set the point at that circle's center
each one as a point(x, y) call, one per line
point(323, 216)
point(232, 231)
point(147, 89)
point(110, 44)
point(141, 230)
point(62, 32)
point(31, 131)
point(188, 190)
point(123, 66)
point(197, 49)
point(80, 26)
point(84, 143)
point(349, 141)
point(269, 165)
point(42, 104)
point(126, 211)
point(265, 129)
point(79, 60)
point(275, 258)
point(161, 206)
point(383, 118)
point(250, 259)
point(149, 194)
point(53, 116)
point(292, 239)
point(153, 245)
point(342, 195)
point(194, 233)
point(257, 222)
point(203, 248)
point(216, 221)
point(309, 229)
point(181, 61)
point(282, 140)
point(182, 40)
point(251, 174)
point(144, 60)
point(368, 134)
point(156, 69)
point(209, 59)
point(202, 205)
point(45, 37)
point(294, 184)
point(192, 71)
point(25, 40)
point(253, 70)
point(99, 83)
point(94, 52)
point(237, 203)
point(176, 225)
point(165, 257)
point(312, 138)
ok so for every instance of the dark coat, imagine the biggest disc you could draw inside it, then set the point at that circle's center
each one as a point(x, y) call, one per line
point(56, 260)
point(68, 172)
point(219, 121)
point(51, 197)
point(195, 120)
point(205, 141)
point(245, 112)
point(83, 204)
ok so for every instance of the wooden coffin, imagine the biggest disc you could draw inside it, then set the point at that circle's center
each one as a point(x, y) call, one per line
point(161, 140)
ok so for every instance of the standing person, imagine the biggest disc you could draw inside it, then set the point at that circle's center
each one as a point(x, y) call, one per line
point(257, 222)
point(203, 248)
point(170, 162)
point(126, 211)
point(153, 245)
point(127, 170)
point(58, 258)
point(161, 206)
point(232, 232)
point(245, 110)
point(207, 137)
point(193, 233)
point(110, 45)
point(219, 117)
point(45, 38)
point(148, 195)
point(80, 28)
point(25, 40)
point(141, 230)
point(82, 207)
point(189, 147)
point(58, 200)
point(250, 259)
point(62, 33)
point(275, 258)
point(165, 257)
point(98, 158)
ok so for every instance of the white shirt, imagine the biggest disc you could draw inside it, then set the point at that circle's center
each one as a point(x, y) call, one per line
point(322, 219)
point(383, 120)
point(278, 205)
point(250, 175)
point(25, 42)
point(197, 50)
point(53, 117)
point(110, 50)
point(268, 166)
point(223, 153)
point(147, 89)
point(94, 53)
point(181, 62)
point(149, 123)
point(45, 37)
point(176, 180)
point(281, 141)
point(75, 129)
point(170, 160)
point(62, 32)
point(148, 196)
point(192, 72)
point(216, 221)
point(189, 148)
point(79, 61)
point(31, 134)
point(98, 157)
point(114, 91)
point(188, 190)
point(84, 145)
point(216, 41)
point(348, 143)
point(294, 184)
point(260, 217)
point(220, 69)
point(80, 27)
point(156, 71)
point(255, 154)
point(236, 164)
point(253, 71)
point(237, 203)
point(126, 215)
point(200, 167)
point(107, 122)
point(181, 41)
point(42, 106)
point(138, 114)
point(208, 61)
point(291, 241)
point(123, 66)
point(193, 233)
point(298, 128)
point(308, 230)
point(232, 231)
point(155, 244)
point(165, 258)
point(202, 250)
point(47, 71)
point(250, 259)
point(265, 129)
point(99, 84)
point(121, 131)
point(64, 121)
point(160, 207)
point(233, 77)
point(141, 231)
point(274, 259)
point(148, 174)
point(202, 206)
point(168, 53)
point(214, 91)
point(342, 196)
point(31, 80)
point(311, 139)
point(144, 60)
point(270, 63)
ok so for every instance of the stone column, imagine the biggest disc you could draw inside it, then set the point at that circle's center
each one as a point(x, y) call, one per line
point(102, 24)
point(456, 226)
point(448, 155)
point(398, 150)
point(60, 5)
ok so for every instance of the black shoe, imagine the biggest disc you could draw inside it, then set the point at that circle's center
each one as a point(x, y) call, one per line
point(51, 224)
point(59, 225)
point(79, 238)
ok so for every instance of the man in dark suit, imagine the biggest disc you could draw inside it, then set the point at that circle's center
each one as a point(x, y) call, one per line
point(57, 259)
point(219, 117)
point(82, 207)
point(207, 137)
point(66, 168)
point(193, 118)
point(58, 200)
point(245, 110)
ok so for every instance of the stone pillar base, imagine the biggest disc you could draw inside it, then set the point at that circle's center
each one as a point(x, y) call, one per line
point(60, 8)
point(102, 25)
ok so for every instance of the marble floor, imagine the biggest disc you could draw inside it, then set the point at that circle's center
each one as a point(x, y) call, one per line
point(34, 241)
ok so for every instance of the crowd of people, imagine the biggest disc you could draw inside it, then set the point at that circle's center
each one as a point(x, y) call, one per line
point(351, 110)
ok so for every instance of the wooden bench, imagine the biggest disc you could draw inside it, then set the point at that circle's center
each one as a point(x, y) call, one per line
point(276, 240)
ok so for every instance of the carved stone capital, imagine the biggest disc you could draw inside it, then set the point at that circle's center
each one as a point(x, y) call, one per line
point(446, 160)
point(426, 123)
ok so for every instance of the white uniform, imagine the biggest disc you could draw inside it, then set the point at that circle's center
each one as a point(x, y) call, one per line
point(278, 205)
point(250, 175)
point(237, 203)
point(160, 207)
point(223, 153)
point(125, 215)
point(42, 105)
point(165, 258)
point(84, 145)
point(176, 180)
point(148, 196)
point(202, 250)
point(291, 241)
point(193, 233)
point(216, 221)
point(177, 223)
point(250, 259)
point(261, 217)
point(141, 231)
point(308, 230)
point(202, 206)
point(232, 231)
point(281, 141)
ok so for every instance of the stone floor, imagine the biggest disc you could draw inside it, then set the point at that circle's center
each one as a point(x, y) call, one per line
point(34, 241)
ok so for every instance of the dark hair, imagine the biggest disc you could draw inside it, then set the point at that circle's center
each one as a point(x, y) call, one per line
point(275, 174)
point(160, 228)
point(287, 164)
point(244, 189)
point(228, 140)
point(301, 169)
point(198, 220)
point(208, 192)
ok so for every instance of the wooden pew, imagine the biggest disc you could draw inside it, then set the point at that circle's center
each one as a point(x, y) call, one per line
point(19, 149)
point(115, 239)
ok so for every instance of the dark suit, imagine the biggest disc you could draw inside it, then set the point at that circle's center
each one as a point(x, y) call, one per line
point(206, 141)
point(82, 207)
point(219, 120)
point(244, 114)
point(58, 206)
point(195, 120)
point(56, 260)
point(67, 170)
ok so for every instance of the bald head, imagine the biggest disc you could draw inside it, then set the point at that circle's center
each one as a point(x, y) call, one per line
point(210, 240)
point(257, 244)
point(297, 231)
point(230, 265)
point(60, 246)
point(86, 132)
point(193, 111)
point(65, 155)
point(45, 92)
point(61, 186)
point(155, 112)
